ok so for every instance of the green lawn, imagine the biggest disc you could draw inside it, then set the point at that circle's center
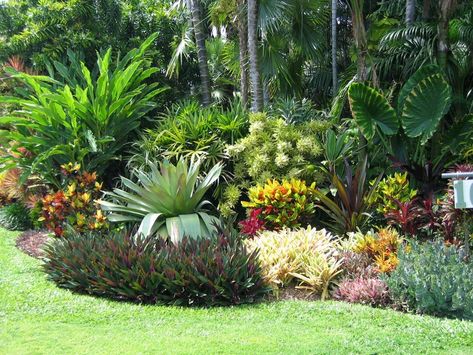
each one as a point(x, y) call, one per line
point(37, 317)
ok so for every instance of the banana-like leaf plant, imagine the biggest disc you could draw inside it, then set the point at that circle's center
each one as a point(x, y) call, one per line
point(167, 201)
point(78, 116)
point(422, 103)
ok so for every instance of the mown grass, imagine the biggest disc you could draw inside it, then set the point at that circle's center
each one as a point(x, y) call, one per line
point(36, 317)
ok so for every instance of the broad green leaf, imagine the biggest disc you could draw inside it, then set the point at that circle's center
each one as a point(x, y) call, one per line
point(210, 221)
point(148, 224)
point(425, 107)
point(372, 111)
point(413, 81)
point(191, 225)
point(175, 229)
point(115, 217)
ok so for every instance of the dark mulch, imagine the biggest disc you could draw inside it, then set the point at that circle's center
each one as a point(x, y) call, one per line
point(31, 242)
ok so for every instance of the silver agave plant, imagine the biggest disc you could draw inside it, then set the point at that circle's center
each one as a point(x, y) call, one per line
point(166, 201)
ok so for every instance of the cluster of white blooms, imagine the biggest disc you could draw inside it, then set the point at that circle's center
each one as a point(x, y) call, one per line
point(258, 164)
point(281, 160)
point(305, 144)
point(257, 126)
point(275, 149)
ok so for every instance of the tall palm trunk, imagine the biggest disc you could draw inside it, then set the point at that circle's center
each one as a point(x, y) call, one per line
point(197, 24)
point(410, 12)
point(243, 42)
point(361, 41)
point(334, 48)
point(361, 44)
point(426, 10)
point(255, 79)
point(446, 9)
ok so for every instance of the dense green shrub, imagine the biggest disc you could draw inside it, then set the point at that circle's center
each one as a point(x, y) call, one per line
point(79, 116)
point(187, 130)
point(275, 149)
point(433, 278)
point(43, 31)
point(15, 217)
point(216, 271)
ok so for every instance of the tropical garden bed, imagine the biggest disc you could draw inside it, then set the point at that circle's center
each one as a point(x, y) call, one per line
point(218, 157)
point(37, 317)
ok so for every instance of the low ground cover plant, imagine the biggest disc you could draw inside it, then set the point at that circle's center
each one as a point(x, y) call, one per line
point(194, 272)
point(366, 257)
point(369, 291)
point(433, 278)
point(15, 217)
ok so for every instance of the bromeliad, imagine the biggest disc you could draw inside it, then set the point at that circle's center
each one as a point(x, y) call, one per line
point(167, 201)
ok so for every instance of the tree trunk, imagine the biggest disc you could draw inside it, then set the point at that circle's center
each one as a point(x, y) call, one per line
point(410, 12)
point(361, 44)
point(199, 34)
point(255, 79)
point(361, 41)
point(334, 48)
point(426, 10)
point(446, 9)
point(442, 43)
point(243, 42)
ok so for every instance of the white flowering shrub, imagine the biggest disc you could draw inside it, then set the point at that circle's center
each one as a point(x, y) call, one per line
point(277, 149)
point(274, 149)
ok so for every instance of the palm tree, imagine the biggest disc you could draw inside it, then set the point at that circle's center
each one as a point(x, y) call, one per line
point(255, 78)
point(295, 54)
point(334, 47)
point(359, 35)
point(410, 12)
point(199, 34)
point(361, 44)
point(446, 9)
point(242, 23)
point(426, 9)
